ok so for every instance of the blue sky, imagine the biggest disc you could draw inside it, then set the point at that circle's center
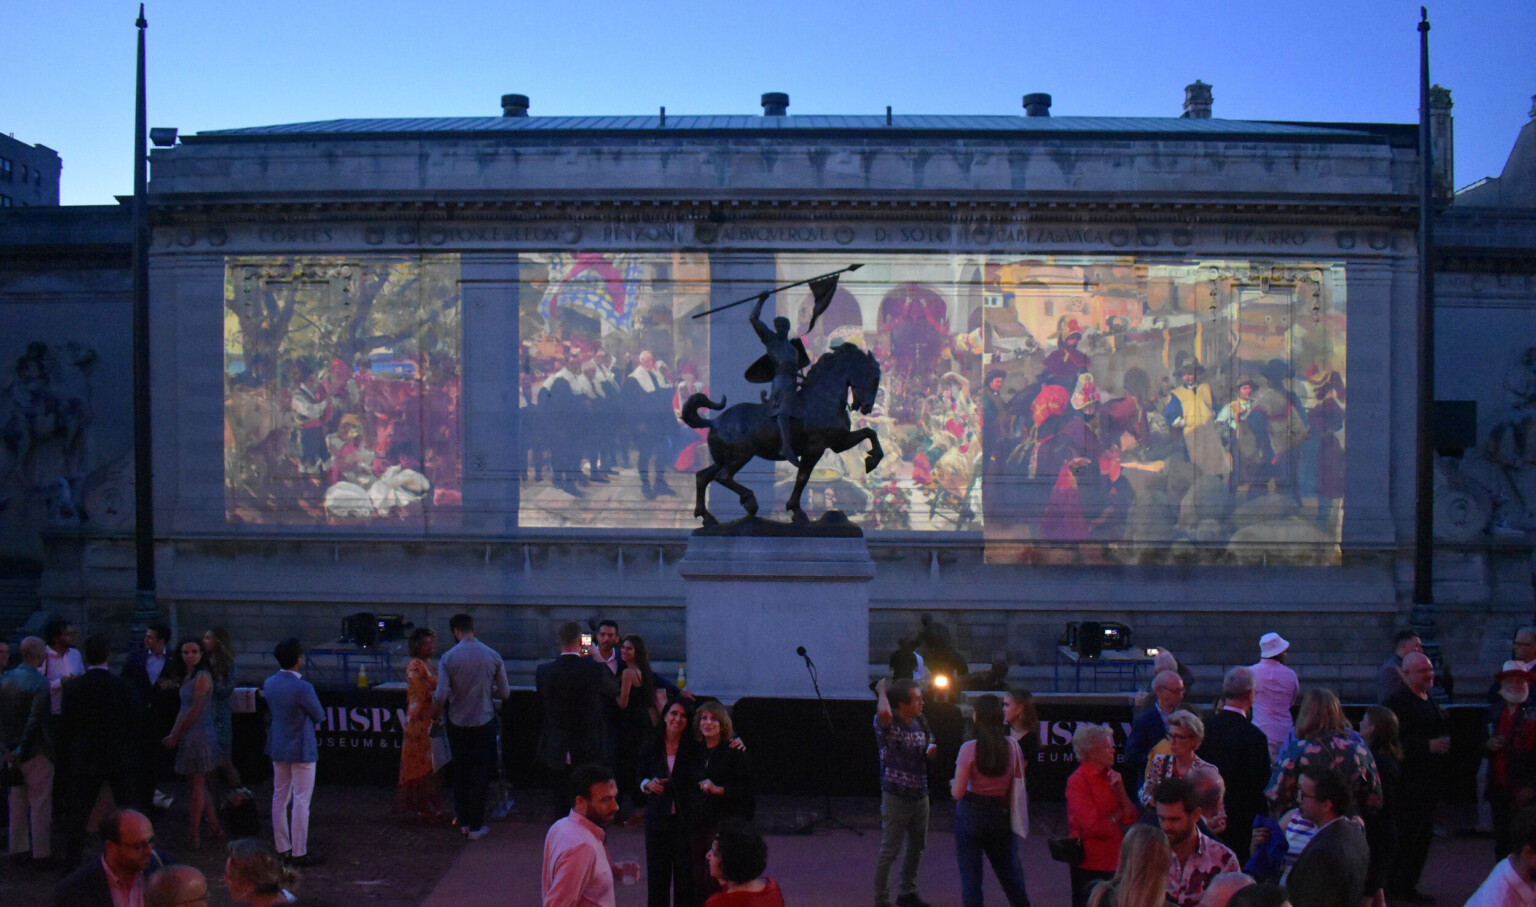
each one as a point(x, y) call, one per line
point(216, 64)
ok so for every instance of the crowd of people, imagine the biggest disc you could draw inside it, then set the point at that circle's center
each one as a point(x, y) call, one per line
point(86, 749)
point(1241, 805)
point(1247, 806)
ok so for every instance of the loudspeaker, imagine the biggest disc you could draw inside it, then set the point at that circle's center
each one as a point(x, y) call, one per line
point(1090, 639)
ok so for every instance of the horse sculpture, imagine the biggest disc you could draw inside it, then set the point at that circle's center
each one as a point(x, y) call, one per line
point(746, 430)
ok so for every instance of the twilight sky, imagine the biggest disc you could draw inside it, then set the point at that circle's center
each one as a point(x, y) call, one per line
point(217, 65)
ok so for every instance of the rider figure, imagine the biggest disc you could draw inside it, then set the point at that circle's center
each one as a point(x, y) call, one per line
point(787, 359)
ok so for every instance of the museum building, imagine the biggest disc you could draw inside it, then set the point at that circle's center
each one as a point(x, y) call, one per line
point(419, 366)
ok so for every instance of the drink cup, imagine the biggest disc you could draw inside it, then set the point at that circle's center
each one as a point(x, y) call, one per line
point(629, 872)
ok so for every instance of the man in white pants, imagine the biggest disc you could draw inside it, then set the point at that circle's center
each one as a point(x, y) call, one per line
point(291, 745)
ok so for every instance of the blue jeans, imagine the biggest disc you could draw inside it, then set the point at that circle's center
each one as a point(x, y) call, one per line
point(981, 827)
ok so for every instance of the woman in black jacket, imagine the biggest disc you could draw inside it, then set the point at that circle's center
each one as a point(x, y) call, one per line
point(667, 770)
point(725, 787)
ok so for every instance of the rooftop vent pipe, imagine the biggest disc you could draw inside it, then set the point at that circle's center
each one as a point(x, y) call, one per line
point(775, 104)
point(1037, 105)
point(1197, 101)
point(514, 105)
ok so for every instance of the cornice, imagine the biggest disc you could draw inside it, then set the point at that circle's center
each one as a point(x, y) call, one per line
point(1381, 212)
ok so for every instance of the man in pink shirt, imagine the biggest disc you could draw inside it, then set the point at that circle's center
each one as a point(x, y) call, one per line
point(1275, 688)
point(577, 872)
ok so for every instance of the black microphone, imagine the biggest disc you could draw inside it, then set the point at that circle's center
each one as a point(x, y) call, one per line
point(800, 650)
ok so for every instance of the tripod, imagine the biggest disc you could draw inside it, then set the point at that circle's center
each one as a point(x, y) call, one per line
point(827, 817)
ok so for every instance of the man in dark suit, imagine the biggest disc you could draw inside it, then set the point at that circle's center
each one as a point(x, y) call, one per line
point(160, 702)
point(127, 853)
point(1150, 727)
point(1331, 869)
point(1240, 751)
point(99, 713)
point(571, 690)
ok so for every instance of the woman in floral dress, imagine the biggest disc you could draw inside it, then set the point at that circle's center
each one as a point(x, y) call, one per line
point(418, 780)
point(1324, 738)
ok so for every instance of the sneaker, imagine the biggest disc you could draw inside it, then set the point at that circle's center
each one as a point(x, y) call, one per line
point(911, 900)
point(162, 800)
point(477, 833)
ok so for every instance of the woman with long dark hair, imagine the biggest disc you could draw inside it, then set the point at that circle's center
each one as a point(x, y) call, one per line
point(985, 771)
point(666, 768)
point(1380, 730)
point(639, 711)
point(724, 787)
point(219, 653)
point(195, 740)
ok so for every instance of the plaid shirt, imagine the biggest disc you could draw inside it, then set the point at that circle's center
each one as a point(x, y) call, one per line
point(904, 756)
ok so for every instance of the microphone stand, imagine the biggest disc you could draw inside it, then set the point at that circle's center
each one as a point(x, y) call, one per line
point(827, 817)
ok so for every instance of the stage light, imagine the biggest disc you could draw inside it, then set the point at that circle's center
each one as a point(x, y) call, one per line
point(940, 682)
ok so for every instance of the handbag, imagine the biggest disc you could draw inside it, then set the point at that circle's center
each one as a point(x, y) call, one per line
point(1018, 795)
point(442, 754)
point(1066, 850)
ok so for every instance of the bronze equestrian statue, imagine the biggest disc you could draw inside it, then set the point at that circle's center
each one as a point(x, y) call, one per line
point(787, 425)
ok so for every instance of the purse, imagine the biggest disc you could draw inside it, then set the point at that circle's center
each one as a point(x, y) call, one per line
point(1066, 850)
point(1018, 795)
point(442, 754)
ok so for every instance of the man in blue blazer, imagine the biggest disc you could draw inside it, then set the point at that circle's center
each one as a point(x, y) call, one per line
point(291, 745)
point(1150, 727)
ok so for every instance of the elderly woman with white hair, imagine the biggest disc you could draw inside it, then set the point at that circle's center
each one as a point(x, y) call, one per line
point(1098, 808)
point(1185, 733)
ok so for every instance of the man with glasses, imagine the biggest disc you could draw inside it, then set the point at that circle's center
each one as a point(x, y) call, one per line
point(1331, 870)
point(1151, 727)
point(1525, 647)
point(128, 857)
point(177, 886)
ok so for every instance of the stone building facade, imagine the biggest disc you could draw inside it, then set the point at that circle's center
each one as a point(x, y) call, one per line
point(422, 366)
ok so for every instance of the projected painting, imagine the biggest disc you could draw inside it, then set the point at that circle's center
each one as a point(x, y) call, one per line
point(1096, 409)
point(342, 390)
point(608, 354)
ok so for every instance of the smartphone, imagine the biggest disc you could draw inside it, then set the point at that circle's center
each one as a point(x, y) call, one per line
point(586, 643)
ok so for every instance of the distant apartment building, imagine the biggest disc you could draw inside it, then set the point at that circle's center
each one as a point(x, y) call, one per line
point(29, 174)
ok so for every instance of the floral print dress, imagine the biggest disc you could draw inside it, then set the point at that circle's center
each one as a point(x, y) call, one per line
point(1340, 751)
point(416, 749)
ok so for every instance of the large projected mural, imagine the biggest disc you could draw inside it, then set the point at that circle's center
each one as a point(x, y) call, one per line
point(1072, 409)
point(608, 354)
point(342, 390)
point(1096, 409)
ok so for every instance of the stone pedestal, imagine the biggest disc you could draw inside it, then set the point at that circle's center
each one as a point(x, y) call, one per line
point(752, 601)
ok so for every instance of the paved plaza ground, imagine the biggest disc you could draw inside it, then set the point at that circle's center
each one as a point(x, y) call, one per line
point(375, 858)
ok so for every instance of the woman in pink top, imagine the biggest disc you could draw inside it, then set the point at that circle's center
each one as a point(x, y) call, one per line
point(985, 772)
point(1275, 688)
